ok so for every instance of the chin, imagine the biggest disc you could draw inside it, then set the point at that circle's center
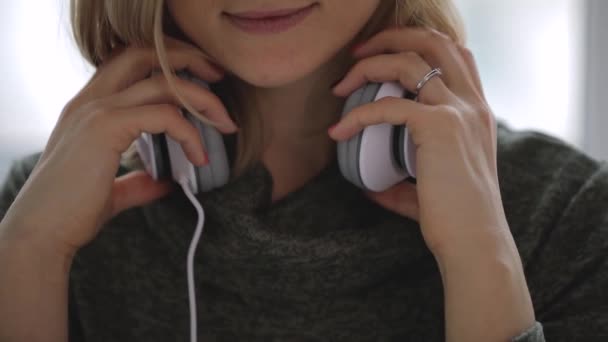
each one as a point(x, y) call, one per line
point(274, 73)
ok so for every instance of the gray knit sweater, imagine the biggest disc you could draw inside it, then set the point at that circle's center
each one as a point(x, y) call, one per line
point(326, 263)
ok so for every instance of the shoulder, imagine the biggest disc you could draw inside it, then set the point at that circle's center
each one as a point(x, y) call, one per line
point(545, 181)
point(540, 176)
point(536, 154)
point(556, 201)
point(19, 171)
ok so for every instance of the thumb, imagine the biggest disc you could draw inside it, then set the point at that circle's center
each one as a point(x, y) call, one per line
point(135, 189)
point(401, 199)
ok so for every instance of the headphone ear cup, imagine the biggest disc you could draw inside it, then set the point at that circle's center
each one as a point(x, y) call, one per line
point(152, 150)
point(216, 173)
point(407, 151)
point(349, 150)
point(375, 158)
point(161, 151)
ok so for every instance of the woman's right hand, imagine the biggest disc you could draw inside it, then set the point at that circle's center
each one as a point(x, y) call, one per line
point(73, 189)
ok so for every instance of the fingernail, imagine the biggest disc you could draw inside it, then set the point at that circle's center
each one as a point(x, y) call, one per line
point(331, 130)
point(217, 68)
point(233, 126)
point(353, 50)
point(335, 83)
point(205, 160)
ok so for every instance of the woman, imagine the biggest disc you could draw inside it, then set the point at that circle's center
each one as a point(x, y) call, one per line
point(291, 250)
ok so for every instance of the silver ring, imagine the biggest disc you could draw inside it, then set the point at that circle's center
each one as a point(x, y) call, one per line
point(427, 77)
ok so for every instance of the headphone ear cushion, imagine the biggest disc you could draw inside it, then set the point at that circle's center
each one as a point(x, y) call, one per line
point(153, 152)
point(349, 150)
point(217, 172)
point(379, 156)
point(161, 151)
point(407, 151)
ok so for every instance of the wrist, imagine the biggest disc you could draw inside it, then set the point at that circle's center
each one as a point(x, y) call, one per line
point(485, 286)
point(34, 286)
point(15, 237)
point(468, 245)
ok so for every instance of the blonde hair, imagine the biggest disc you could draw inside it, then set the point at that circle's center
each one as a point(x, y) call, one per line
point(99, 27)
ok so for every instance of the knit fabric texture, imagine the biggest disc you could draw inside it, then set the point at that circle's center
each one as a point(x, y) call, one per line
point(327, 263)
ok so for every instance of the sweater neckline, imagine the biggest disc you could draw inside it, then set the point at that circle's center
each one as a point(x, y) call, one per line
point(319, 180)
point(252, 190)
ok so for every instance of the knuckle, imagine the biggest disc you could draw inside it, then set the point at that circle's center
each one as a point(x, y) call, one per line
point(389, 101)
point(161, 84)
point(465, 52)
point(131, 133)
point(98, 115)
point(355, 117)
point(364, 120)
point(94, 108)
point(440, 36)
point(195, 95)
point(360, 66)
point(172, 112)
point(116, 52)
point(431, 35)
point(412, 62)
point(78, 104)
point(437, 40)
point(96, 120)
point(138, 55)
point(172, 42)
point(411, 57)
point(451, 117)
point(486, 116)
point(137, 52)
point(181, 125)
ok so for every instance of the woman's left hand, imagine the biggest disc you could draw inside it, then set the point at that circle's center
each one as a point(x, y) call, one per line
point(457, 198)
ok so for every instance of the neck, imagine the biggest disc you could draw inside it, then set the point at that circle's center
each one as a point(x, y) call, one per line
point(295, 118)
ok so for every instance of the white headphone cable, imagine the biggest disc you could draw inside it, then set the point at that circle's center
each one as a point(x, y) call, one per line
point(197, 234)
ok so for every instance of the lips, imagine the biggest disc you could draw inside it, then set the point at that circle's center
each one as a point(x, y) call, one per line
point(268, 14)
point(269, 21)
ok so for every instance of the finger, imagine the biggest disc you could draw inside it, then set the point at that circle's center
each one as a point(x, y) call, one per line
point(127, 124)
point(469, 59)
point(401, 198)
point(156, 90)
point(136, 63)
point(136, 189)
point(436, 48)
point(393, 110)
point(178, 43)
point(407, 67)
point(472, 65)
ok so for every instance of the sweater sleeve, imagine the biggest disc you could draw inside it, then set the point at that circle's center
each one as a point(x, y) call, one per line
point(556, 201)
point(18, 174)
point(532, 334)
point(15, 179)
point(568, 276)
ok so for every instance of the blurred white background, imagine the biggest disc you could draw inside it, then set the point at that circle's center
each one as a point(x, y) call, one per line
point(534, 56)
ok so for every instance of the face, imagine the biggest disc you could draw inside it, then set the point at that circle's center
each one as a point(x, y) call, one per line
point(267, 59)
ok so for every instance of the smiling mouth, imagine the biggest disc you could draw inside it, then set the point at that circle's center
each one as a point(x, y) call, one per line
point(268, 14)
point(269, 21)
